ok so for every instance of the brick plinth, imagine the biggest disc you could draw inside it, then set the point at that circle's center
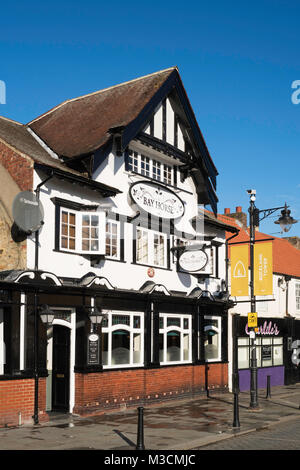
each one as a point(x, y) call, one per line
point(98, 392)
point(17, 402)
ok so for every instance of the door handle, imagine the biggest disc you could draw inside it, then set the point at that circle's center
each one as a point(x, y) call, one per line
point(60, 376)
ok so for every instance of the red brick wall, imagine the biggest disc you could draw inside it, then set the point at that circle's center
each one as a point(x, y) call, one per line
point(20, 168)
point(17, 401)
point(111, 389)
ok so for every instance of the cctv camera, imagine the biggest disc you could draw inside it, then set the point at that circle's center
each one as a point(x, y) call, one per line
point(251, 191)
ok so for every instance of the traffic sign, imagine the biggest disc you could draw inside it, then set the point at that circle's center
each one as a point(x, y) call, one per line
point(252, 320)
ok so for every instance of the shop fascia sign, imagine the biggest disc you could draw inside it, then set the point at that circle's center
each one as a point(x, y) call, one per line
point(268, 328)
point(156, 199)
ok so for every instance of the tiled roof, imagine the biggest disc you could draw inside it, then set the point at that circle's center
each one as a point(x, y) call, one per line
point(18, 137)
point(81, 125)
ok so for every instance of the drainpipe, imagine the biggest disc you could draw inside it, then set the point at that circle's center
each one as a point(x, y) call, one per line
point(36, 336)
point(287, 280)
point(37, 191)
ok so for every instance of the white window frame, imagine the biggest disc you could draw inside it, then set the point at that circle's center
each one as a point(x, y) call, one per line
point(297, 296)
point(135, 165)
point(117, 223)
point(78, 231)
point(150, 244)
point(110, 328)
point(182, 331)
point(218, 329)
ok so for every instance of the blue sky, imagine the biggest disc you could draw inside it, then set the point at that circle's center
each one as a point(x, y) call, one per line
point(237, 61)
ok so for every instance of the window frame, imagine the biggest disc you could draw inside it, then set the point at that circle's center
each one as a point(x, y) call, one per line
point(218, 329)
point(259, 343)
point(117, 223)
point(155, 166)
point(101, 226)
point(181, 330)
point(111, 328)
point(151, 247)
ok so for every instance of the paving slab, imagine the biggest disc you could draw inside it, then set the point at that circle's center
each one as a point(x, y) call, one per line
point(179, 425)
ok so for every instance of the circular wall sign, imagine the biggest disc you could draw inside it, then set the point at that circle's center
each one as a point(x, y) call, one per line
point(156, 199)
point(150, 272)
point(28, 212)
point(193, 260)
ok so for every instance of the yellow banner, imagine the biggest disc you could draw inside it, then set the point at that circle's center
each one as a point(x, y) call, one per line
point(239, 270)
point(263, 269)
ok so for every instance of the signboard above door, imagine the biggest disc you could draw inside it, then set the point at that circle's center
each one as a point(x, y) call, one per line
point(156, 199)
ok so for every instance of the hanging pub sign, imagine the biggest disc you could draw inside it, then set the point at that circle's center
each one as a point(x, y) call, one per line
point(156, 199)
point(193, 260)
point(93, 349)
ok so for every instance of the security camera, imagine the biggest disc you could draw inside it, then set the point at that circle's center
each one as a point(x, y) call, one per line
point(251, 191)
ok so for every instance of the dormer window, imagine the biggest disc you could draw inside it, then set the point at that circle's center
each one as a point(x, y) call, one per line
point(151, 168)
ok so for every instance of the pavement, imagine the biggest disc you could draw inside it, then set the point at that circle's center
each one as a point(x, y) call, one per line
point(179, 425)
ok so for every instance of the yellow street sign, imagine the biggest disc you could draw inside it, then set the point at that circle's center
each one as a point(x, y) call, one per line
point(252, 320)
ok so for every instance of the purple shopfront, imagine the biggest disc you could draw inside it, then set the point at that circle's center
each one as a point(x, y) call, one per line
point(275, 338)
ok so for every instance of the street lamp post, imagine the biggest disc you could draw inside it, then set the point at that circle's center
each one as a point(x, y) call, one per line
point(286, 222)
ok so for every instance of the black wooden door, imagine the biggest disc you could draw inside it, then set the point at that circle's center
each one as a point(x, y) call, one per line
point(61, 368)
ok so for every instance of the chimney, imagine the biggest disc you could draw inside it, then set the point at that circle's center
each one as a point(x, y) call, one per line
point(237, 215)
point(295, 241)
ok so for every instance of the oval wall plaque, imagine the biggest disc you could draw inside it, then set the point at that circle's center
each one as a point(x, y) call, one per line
point(156, 199)
point(193, 260)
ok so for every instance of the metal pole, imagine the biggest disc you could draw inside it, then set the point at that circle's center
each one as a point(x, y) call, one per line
point(140, 432)
point(253, 361)
point(268, 386)
point(36, 373)
point(235, 372)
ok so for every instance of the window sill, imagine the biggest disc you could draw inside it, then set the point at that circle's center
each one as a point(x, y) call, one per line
point(114, 259)
point(151, 266)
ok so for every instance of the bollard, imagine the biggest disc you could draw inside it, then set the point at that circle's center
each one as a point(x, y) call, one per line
point(236, 420)
point(268, 386)
point(140, 430)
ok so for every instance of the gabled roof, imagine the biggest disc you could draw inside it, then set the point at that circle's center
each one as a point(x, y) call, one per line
point(286, 257)
point(81, 125)
point(85, 125)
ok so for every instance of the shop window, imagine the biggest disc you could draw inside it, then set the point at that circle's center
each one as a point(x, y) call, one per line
point(122, 340)
point(151, 247)
point(81, 232)
point(269, 352)
point(174, 338)
point(212, 338)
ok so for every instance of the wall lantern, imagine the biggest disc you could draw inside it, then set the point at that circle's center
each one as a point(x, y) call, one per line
point(46, 314)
